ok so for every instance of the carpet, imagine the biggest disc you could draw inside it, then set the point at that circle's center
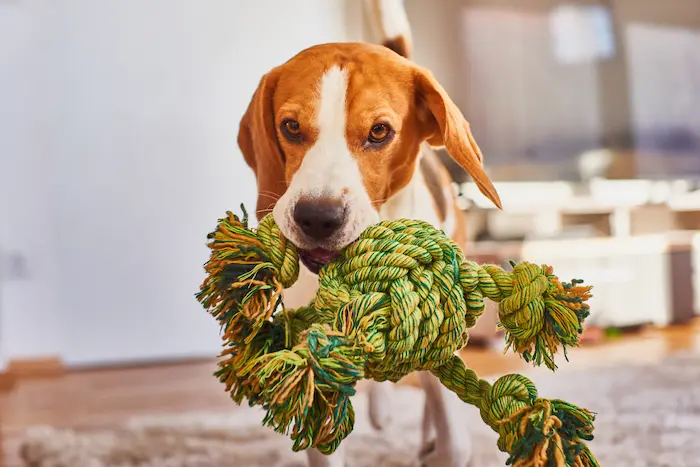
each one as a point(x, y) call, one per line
point(648, 416)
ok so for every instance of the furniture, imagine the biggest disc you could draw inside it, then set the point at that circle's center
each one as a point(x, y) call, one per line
point(636, 241)
point(646, 279)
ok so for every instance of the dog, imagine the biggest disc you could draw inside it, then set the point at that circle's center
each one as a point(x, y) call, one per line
point(339, 137)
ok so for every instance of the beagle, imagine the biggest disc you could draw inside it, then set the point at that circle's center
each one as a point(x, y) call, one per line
point(339, 138)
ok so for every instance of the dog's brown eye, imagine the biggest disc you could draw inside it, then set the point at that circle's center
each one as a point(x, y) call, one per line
point(291, 129)
point(379, 133)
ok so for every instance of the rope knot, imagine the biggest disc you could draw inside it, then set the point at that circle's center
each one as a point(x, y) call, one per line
point(542, 313)
point(504, 403)
point(398, 284)
point(280, 252)
point(537, 432)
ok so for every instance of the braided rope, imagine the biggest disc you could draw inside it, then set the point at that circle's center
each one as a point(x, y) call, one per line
point(399, 299)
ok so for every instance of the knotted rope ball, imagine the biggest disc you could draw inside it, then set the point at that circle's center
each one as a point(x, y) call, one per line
point(399, 299)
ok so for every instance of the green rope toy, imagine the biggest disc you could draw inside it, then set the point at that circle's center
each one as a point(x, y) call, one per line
point(399, 299)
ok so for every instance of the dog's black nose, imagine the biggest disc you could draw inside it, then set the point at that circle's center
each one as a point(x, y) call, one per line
point(319, 218)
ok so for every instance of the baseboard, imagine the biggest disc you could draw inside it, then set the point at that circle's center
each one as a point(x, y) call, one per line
point(31, 368)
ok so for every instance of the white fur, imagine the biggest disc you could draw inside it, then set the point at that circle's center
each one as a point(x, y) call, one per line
point(414, 201)
point(449, 225)
point(329, 169)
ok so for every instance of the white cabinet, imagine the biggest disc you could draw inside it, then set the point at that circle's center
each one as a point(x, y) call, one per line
point(636, 280)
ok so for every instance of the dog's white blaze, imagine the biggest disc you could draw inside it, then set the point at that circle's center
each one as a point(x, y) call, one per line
point(329, 169)
point(329, 166)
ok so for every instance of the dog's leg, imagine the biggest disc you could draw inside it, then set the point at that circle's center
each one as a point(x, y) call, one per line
point(379, 404)
point(452, 444)
point(316, 459)
point(427, 432)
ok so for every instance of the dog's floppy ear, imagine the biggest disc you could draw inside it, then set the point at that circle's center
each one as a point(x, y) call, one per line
point(257, 138)
point(446, 126)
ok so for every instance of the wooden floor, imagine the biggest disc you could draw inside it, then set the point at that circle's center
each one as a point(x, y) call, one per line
point(105, 397)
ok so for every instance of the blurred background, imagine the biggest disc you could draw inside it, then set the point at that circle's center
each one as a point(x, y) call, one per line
point(118, 124)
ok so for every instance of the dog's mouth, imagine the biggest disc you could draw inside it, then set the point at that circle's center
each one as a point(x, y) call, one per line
point(315, 259)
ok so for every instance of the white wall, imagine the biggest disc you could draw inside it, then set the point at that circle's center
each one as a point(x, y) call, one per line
point(118, 139)
point(29, 325)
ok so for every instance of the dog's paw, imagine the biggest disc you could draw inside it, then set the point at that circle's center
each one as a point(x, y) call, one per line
point(426, 449)
point(431, 455)
point(316, 459)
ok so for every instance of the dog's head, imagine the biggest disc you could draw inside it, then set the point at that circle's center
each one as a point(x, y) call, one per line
point(335, 132)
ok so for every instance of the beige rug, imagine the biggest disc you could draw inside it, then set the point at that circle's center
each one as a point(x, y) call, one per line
point(649, 416)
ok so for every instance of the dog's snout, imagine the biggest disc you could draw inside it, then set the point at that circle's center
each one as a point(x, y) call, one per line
point(319, 218)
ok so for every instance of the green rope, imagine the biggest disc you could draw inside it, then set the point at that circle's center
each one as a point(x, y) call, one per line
point(399, 299)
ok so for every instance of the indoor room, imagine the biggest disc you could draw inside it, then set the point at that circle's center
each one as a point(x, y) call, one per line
point(562, 133)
